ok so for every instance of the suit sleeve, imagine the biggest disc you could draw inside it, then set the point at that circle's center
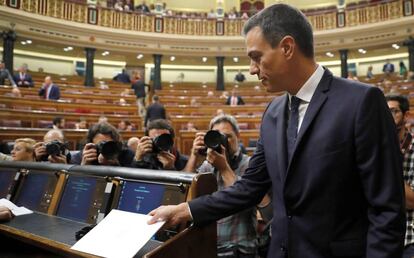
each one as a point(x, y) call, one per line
point(241, 102)
point(228, 101)
point(244, 193)
point(42, 92)
point(57, 93)
point(379, 163)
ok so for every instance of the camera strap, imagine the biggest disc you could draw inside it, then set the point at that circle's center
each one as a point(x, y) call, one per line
point(235, 161)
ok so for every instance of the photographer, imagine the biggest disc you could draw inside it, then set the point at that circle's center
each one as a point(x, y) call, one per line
point(156, 151)
point(53, 148)
point(103, 147)
point(236, 234)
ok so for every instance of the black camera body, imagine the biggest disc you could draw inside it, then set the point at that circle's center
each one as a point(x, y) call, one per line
point(163, 142)
point(213, 140)
point(55, 148)
point(109, 149)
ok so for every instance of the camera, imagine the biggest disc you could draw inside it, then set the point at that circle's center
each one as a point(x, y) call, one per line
point(213, 140)
point(55, 148)
point(163, 142)
point(109, 149)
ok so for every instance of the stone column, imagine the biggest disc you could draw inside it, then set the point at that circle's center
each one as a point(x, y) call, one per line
point(344, 62)
point(157, 72)
point(9, 37)
point(220, 73)
point(90, 55)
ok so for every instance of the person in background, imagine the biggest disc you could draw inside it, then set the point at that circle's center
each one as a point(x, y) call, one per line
point(155, 111)
point(234, 99)
point(122, 77)
point(133, 143)
point(55, 136)
point(102, 119)
point(23, 150)
point(399, 107)
point(148, 157)
point(139, 89)
point(239, 77)
point(5, 74)
point(100, 134)
point(49, 90)
point(403, 70)
point(22, 78)
point(351, 76)
point(82, 124)
point(58, 123)
point(388, 68)
point(125, 125)
point(370, 74)
point(143, 7)
point(236, 234)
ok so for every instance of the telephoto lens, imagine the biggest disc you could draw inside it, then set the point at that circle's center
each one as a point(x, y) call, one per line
point(163, 142)
point(214, 139)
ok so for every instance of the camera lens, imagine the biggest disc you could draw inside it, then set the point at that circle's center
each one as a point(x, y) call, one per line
point(163, 142)
point(214, 139)
point(109, 149)
point(53, 148)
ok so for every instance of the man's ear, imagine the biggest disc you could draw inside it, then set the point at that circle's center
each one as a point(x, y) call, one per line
point(288, 45)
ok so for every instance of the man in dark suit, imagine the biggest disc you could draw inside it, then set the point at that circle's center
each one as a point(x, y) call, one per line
point(155, 111)
point(388, 68)
point(49, 90)
point(139, 89)
point(327, 148)
point(234, 99)
point(23, 79)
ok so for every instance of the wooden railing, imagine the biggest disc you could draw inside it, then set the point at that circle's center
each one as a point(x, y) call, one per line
point(352, 16)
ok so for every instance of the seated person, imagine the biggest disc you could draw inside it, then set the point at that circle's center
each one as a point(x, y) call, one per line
point(103, 147)
point(5, 74)
point(23, 150)
point(122, 77)
point(53, 148)
point(236, 234)
point(82, 124)
point(58, 122)
point(133, 144)
point(234, 99)
point(5, 214)
point(23, 79)
point(49, 90)
point(148, 157)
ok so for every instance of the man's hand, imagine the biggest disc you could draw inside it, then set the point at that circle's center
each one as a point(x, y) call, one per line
point(198, 144)
point(39, 150)
point(167, 159)
point(5, 214)
point(89, 154)
point(144, 146)
point(57, 159)
point(171, 214)
point(107, 162)
point(218, 160)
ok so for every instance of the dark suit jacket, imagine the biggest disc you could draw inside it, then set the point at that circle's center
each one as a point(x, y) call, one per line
point(139, 88)
point(240, 101)
point(26, 78)
point(54, 92)
point(155, 111)
point(341, 194)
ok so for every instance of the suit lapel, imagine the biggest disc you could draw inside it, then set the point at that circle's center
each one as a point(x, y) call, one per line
point(317, 101)
point(280, 138)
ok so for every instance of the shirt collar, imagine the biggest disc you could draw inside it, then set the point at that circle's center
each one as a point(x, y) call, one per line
point(308, 89)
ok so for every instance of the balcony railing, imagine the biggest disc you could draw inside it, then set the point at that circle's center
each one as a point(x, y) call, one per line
point(349, 17)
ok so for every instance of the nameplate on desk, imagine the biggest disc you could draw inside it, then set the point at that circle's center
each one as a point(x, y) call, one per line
point(120, 234)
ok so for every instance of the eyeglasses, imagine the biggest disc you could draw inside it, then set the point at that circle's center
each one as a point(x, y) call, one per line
point(395, 111)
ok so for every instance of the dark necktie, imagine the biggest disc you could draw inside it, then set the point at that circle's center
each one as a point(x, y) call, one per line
point(292, 129)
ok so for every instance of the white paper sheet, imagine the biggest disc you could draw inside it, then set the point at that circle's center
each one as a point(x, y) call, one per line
point(120, 234)
point(17, 211)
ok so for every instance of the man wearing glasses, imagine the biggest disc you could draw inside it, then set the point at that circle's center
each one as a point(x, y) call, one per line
point(399, 107)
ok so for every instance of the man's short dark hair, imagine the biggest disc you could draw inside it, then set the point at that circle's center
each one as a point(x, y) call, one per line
point(280, 20)
point(57, 120)
point(160, 124)
point(103, 128)
point(155, 98)
point(402, 101)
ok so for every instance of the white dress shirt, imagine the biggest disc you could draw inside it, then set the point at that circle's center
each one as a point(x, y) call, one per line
point(306, 92)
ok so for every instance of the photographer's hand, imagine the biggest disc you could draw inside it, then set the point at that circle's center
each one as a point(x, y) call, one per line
point(167, 159)
point(57, 159)
point(144, 146)
point(196, 158)
point(219, 161)
point(89, 154)
point(107, 162)
point(39, 150)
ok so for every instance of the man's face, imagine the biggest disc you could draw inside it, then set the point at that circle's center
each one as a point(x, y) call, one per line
point(157, 132)
point(48, 80)
point(267, 63)
point(226, 129)
point(399, 117)
point(1, 65)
